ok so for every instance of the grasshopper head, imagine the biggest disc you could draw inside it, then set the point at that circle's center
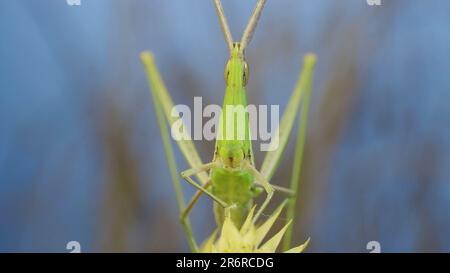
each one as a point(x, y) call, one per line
point(236, 70)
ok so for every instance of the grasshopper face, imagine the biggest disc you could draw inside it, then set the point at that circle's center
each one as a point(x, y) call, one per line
point(232, 155)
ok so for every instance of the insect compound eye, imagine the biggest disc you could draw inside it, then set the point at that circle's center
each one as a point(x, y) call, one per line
point(226, 72)
point(246, 74)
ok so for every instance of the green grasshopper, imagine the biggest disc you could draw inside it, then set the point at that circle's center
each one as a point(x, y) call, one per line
point(231, 179)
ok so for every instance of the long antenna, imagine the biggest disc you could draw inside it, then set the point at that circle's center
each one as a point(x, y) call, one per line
point(224, 24)
point(251, 26)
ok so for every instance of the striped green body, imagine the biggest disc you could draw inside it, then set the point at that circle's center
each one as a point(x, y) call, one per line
point(233, 187)
point(231, 182)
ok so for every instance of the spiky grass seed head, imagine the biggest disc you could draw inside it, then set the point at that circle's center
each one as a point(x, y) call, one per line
point(249, 238)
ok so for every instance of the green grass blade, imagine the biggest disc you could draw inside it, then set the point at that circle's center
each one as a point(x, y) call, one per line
point(160, 93)
point(172, 165)
point(173, 171)
point(272, 158)
point(298, 159)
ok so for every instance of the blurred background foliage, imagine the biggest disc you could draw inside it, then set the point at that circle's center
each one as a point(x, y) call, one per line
point(81, 155)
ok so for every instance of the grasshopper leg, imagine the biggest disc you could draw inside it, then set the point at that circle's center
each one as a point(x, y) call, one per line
point(281, 189)
point(185, 213)
point(190, 172)
point(261, 180)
